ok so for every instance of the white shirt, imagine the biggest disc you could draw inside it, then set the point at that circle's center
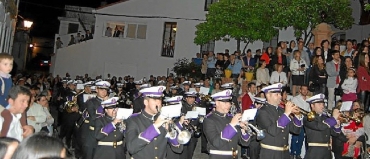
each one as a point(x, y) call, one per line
point(277, 77)
point(15, 129)
point(300, 102)
point(251, 95)
point(37, 111)
point(349, 85)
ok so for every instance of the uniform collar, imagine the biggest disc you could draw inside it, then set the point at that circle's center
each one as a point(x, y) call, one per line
point(148, 116)
point(221, 114)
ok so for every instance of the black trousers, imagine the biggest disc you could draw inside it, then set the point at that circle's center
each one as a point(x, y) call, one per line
point(77, 142)
point(204, 141)
point(66, 131)
point(189, 148)
point(364, 96)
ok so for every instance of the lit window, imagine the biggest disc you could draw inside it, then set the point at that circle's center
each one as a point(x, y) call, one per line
point(169, 37)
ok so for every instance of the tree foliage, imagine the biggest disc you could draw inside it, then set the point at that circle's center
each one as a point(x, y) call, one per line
point(252, 20)
point(304, 15)
point(367, 7)
point(243, 20)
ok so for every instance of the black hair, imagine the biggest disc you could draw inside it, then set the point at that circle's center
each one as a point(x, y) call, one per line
point(39, 145)
point(17, 90)
point(250, 84)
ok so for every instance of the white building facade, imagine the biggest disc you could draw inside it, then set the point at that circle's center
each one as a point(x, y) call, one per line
point(7, 24)
point(145, 37)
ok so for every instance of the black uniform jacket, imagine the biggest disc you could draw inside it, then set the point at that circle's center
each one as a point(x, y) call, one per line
point(267, 119)
point(94, 111)
point(319, 131)
point(143, 140)
point(221, 135)
point(105, 131)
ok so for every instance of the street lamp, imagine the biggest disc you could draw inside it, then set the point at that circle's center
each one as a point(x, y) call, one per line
point(27, 24)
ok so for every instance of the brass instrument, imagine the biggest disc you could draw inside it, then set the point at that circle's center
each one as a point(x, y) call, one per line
point(310, 115)
point(205, 98)
point(259, 133)
point(343, 118)
point(183, 136)
point(72, 103)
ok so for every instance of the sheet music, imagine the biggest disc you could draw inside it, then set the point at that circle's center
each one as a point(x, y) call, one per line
point(200, 110)
point(80, 86)
point(204, 90)
point(249, 114)
point(191, 115)
point(88, 96)
point(346, 106)
point(123, 113)
point(171, 111)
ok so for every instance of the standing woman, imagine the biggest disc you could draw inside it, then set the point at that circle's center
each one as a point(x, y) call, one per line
point(363, 76)
point(318, 75)
point(298, 68)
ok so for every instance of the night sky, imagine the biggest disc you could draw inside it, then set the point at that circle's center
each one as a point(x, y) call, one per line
point(44, 13)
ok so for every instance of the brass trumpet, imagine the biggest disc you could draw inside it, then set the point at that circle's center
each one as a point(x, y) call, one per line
point(183, 137)
point(310, 115)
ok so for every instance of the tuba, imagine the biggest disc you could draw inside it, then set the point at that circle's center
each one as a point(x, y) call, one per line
point(72, 104)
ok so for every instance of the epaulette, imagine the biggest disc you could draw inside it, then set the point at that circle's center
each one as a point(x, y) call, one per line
point(209, 114)
point(135, 114)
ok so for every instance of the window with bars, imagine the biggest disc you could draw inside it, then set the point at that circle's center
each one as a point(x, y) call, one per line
point(208, 3)
point(169, 38)
point(210, 46)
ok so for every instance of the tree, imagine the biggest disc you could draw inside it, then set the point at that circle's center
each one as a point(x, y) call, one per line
point(305, 15)
point(243, 20)
point(252, 20)
point(367, 7)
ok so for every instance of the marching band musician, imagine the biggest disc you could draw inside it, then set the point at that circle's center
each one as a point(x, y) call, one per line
point(197, 90)
point(319, 130)
point(277, 124)
point(254, 145)
point(81, 110)
point(173, 101)
point(109, 132)
point(223, 140)
point(94, 111)
point(138, 102)
point(186, 85)
point(188, 104)
point(145, 134)
point(69, 118)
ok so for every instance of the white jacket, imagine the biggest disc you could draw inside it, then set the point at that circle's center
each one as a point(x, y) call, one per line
point(349, 85)
point(275, 78)
point(294, 65)
point(37, 111)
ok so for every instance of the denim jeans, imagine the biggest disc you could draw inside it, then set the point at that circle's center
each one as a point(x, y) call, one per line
point(297, 143)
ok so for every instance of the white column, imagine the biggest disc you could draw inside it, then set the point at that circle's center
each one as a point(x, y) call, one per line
point(12, 33)
point(3, 33)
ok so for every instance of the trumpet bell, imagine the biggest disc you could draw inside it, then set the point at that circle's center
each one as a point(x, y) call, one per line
point(184, 137)
point(261, 135)
point(311, 116)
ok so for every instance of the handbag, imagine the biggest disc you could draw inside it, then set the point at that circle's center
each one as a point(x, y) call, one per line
point(338, 91)
point(313, 87)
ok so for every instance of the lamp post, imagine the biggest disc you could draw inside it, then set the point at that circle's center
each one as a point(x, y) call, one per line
point(27, 26)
